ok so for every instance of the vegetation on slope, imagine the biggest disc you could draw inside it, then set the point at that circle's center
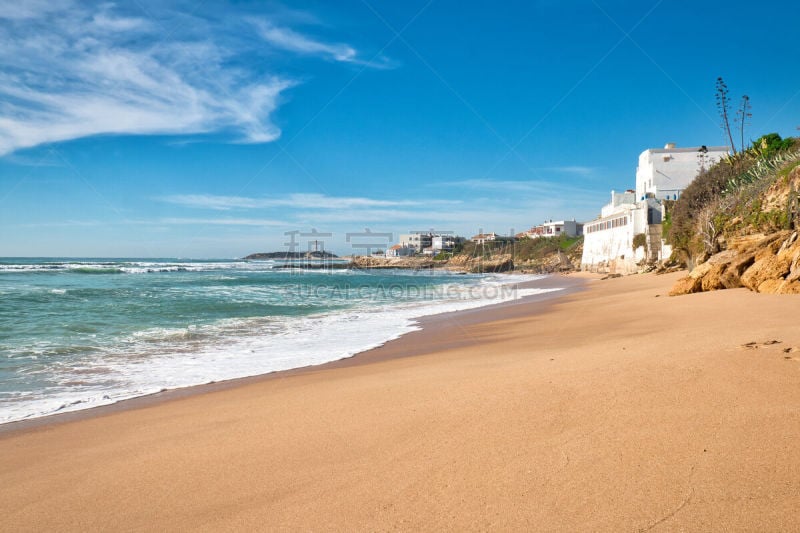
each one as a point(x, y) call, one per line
point(544, 254)
point(748, 192)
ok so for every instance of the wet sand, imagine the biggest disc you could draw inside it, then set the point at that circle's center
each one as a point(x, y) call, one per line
point(617, 408)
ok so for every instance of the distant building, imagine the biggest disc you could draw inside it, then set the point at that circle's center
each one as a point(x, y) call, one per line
point(416, 240)
point(483, 238)
point(553, 228)
point(570, 228)
point(398, 250)
point(666, 172)
point(445, 243)
point(419, 240)
point(534, 233)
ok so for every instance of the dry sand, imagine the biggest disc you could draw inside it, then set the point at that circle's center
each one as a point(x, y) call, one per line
point(618, 409)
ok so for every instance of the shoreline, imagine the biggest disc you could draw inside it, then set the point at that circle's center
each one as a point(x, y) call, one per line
point(392, 348)
point(616, 408)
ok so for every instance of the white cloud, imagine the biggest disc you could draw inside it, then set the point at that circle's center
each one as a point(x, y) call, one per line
point(574, 169)
point(27, 9)
point(299, 200)
point(72, 70)
point(222, 221)
point(495, 185)
point(534, 188)
point(110, 23)
point(292, 41)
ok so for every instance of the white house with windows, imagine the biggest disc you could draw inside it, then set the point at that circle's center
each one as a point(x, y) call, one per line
point(666, 172)
point(570, 228)
point(553, 228)
point(416, 240)
point(608, 241)
point(662, 174)
point(419, 241)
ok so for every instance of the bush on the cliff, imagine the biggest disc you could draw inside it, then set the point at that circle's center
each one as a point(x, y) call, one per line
point(725, 197)
point(771, 143)
point(702, 192)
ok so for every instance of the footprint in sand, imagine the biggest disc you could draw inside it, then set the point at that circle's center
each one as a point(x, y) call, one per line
point(753, 345)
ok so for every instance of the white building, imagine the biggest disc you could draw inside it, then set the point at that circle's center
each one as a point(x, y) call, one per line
point(608, 241)
point(570, 228)
point(417, 240)
point(445, 243)
point(437, 241)
point(482, 238)
point(667, 172)
point(398, 250)
point(662, 174)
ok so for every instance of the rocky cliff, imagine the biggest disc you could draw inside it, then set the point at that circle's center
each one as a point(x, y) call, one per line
point(762, 261)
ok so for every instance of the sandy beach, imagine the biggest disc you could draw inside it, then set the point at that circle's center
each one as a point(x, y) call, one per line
point(617, 408)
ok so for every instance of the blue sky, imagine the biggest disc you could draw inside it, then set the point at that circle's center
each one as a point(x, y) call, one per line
point(191, 129)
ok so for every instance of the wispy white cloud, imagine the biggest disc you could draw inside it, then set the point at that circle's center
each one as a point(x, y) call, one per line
point(484, 203)
point(292, 41)
point(534, 188)
point(574, 169)
point(16, 10)
point(363, 216)
point(221, 221)
point(164, 221)
point(298, 200)
point(111, 23)
point(495, 185)
point(550, 199)
point(77, 69)
point(60, 224)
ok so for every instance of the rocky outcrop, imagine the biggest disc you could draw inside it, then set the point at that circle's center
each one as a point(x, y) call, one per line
point(264, 256)
point(370, 262)
point(496, 263)
point(458, 263)
point(762, 263)
point(555, 262)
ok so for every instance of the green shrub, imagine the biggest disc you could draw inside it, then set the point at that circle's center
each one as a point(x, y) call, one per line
point(770, 144)
point(726, 198)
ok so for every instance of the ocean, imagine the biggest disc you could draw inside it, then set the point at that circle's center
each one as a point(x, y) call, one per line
point(79, 333)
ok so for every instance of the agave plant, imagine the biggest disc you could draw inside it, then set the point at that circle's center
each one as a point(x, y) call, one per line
point(761, 169)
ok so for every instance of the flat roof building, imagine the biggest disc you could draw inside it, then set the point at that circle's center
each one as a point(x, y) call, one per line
point(666, 172)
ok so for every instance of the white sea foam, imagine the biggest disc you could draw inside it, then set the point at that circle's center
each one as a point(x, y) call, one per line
point(161, 358)
point(134, 267)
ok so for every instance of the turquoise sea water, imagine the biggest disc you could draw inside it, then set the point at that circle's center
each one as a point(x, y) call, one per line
point(76, 333)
